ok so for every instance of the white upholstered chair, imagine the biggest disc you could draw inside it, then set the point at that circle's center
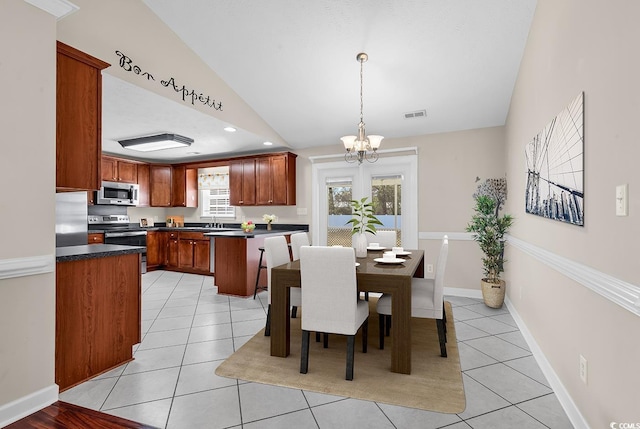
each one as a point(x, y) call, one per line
point(298, 240)
point(384, 238)
point(427, 301)
point(277, 253)
point(330, 299)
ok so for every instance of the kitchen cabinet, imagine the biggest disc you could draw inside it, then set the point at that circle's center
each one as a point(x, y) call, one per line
point(156, 249)
point(91, 197)
point(117, 170)
point(184, 186)
point(172, 259)
point(276, 180)
point(160, 185)
point(242, 182)
point(264, 180)
point(78, 119)
point(193, 249)
point(95, 238)
point(144, 185)
point(98, 316)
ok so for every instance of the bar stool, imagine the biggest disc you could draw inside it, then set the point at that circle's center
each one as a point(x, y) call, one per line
point(260, 268)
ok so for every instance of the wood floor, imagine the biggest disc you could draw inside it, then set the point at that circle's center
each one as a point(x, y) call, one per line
point(64, 415)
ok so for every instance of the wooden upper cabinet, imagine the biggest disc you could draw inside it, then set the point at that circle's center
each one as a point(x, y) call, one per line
point(116, 170)
point(242, 182)
point(78, 119)
point(184, 187)
point(276, 180)
point(144, 183)
point(160, 180)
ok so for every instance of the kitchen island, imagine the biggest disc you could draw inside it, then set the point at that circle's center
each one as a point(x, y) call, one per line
point(236, 258)
point(98, 310)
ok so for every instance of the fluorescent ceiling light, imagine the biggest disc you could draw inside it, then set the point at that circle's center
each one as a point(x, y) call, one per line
point(157, 142)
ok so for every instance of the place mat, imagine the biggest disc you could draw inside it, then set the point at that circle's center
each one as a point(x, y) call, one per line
point(435, 383)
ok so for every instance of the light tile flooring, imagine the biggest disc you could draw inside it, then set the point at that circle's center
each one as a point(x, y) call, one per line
point(188, 330)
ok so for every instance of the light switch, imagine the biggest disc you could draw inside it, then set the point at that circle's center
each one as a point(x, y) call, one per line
point(622, 200)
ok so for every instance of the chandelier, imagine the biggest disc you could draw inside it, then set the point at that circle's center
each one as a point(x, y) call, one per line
point(361, 147)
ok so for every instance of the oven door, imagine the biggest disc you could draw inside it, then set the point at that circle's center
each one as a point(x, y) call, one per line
point(129, 238)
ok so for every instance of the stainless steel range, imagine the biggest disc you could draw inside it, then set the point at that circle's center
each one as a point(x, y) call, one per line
point(118, 230)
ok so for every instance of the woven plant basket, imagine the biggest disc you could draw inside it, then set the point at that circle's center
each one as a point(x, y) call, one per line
point(493, 294)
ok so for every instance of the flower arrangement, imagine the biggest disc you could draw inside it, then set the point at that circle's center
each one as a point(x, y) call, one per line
point(248, 226)
point(269, 218)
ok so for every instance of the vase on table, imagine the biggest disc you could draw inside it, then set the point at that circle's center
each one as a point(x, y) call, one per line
point(268, 226)
point(360, 245)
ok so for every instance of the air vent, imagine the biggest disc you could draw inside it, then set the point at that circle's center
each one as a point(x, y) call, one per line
point(416, 114)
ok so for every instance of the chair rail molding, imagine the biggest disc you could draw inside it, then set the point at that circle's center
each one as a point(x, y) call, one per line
point(624, 294)
point(27, 266)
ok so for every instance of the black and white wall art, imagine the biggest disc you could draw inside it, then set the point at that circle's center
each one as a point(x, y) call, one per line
point(555, 167)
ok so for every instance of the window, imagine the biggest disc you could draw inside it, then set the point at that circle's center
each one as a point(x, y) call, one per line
point(213, 185)
point(215, 203)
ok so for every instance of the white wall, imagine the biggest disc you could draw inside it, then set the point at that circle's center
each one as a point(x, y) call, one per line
point(585, 46)
point(27, 204)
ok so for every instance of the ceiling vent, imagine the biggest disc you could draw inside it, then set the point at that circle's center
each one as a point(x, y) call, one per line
point(416, 114)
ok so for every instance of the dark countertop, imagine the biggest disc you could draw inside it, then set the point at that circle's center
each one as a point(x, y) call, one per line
point(89, 251)
point(242, 234)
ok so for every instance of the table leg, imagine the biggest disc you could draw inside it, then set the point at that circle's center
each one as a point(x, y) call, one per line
point(280, 322)
point(401, 328)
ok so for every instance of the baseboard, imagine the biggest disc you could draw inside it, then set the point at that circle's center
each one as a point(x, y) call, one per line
point(570, 408)
point(27, 405)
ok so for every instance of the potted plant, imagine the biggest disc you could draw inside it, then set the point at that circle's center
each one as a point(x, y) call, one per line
point(363, 220)
point(489, 229)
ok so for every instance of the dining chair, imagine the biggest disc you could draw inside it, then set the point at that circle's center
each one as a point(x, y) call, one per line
point(427, 301)
point(330, 299)
point(277, 253)
point(298, 240)
point(384, 238)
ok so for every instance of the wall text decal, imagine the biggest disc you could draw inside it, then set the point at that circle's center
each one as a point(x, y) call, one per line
point(187, 95)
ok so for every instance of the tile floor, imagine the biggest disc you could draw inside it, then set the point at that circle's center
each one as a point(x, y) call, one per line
point(188, 330)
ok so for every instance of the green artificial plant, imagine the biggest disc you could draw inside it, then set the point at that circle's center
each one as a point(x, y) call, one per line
point(489, 228)
point(363, 219)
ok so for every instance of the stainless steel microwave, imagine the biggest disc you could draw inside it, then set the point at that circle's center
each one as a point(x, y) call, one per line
point(122, 194)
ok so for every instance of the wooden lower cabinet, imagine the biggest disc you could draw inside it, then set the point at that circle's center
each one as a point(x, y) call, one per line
point(98, 316)
point(193, 252)
point(172, 250)
point(95, 238)
point(156, 249)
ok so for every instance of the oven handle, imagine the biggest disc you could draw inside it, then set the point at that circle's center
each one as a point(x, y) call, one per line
point(124, 234)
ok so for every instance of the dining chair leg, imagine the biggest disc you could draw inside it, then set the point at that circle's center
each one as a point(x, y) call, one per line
point(441, 337)
point(351, 340)
point(381, 330)
point(325, 340)
point(365, 335)
point(317, 337)
point(294, 312)
point(304, 353)
point(388, 324)
point(444, 317)
point(267, 326)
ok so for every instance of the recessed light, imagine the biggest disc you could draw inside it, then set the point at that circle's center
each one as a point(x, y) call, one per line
point(230, 129)
point(267, 144)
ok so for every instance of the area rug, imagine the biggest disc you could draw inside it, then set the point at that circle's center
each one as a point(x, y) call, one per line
point(435, 383)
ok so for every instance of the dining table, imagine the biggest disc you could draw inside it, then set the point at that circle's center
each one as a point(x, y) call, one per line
point(372, 276)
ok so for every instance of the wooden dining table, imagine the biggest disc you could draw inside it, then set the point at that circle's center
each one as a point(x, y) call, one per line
point(372, 276)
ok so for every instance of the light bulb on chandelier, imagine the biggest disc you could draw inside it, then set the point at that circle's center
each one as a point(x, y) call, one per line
point(361, 147)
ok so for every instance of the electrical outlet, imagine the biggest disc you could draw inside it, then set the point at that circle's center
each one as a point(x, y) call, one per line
point(429, 268)
point(583, 369)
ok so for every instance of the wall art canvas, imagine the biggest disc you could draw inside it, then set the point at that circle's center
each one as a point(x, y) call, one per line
point(555, 167)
